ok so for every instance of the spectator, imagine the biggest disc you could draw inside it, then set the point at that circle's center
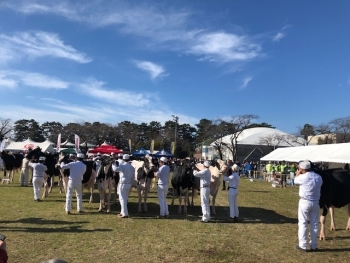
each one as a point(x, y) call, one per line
point(3, 252)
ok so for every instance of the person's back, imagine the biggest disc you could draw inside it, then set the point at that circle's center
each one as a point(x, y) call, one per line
point(310, 186)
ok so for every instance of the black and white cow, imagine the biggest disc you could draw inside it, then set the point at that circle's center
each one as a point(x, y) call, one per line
point(11, 163)
point(335, 192)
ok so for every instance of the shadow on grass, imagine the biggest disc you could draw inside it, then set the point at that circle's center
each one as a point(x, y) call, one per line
point(320, 250)
point(69, 229)
point(34, 220)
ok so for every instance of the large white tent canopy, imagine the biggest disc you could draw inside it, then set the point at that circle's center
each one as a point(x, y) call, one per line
point(24, 146)
point(332, 153)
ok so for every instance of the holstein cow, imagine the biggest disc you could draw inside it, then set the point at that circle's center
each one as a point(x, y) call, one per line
point(11, 163)
point(143, 178)
point(105, 181)
point(335, 192)
point(217, 169)
point(182, 181)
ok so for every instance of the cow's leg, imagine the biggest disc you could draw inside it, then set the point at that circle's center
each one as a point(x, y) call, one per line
point(186, 199)
point(46, 188)
point(213, 212)
point(145, 194)
point(331, 212)
point(101, 190)
point(172, 200)
point(180, 201)
point(65, 183)
point(52, 182)
point(60, 184)
point(12, 175)
point(92, 185)
point(348, 226)
point(323, 222)
point(139, 195)
point(109, 187)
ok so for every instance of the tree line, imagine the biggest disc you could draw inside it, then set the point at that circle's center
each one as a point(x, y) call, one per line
point(187, 137)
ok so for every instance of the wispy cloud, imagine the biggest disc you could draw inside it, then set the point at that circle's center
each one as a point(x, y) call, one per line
point(14, 78)
point(225, 47)
point(281, 34)
point(153, 69)
point(174, 30)
point(95, 89)
point(245, 82)
point(35, 44)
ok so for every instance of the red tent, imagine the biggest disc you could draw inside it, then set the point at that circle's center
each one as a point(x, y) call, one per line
point(105, 148)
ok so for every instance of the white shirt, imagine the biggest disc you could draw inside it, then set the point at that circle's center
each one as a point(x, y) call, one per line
point(126, 172)
point(310, 185)
point(38, 169)
point(233, 180)
point(77, 170)
point(204, 175)
point(163, 174)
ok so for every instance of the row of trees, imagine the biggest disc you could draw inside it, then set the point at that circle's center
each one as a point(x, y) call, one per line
point(188, 138)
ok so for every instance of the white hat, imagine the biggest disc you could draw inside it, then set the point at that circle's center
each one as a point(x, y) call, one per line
point(235, 167)
point(112, 153)
point(304, 165)
point(42, 158)
point(126, 157)
point(80, 155)
point(163, 159)
point(206, 164)
point(120, 155)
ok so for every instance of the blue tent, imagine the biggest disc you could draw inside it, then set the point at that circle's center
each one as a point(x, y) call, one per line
point(140, 152)
point(163, 153)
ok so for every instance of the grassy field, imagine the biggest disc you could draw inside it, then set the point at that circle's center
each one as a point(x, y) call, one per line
point(267, 231)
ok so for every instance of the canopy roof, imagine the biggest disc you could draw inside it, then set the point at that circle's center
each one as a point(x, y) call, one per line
point(86, 144)
point(141, 152)
point(67, 143)
point(333, 153)
point(163, 153)
point(68, 150)
point(50, 142)
point(253, 136)
point(105, 148)
point(23, 146)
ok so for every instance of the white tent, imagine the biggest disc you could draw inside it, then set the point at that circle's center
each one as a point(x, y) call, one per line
point(332, 153)
point(50, 142)
point(24, 146)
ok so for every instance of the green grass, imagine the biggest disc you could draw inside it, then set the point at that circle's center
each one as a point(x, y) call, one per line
point(267, 231)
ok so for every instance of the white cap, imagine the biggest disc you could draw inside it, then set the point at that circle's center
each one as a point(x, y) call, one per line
point(42, 158)
point(235, 167)
point(304, 165)
point(80, 155)
point(126, 157)
point(120, 155)
point(163, 159)
point(206, 164)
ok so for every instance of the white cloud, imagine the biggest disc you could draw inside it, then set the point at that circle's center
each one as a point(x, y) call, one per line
point(225, 47)
point(278, 37)
point(14, 78)
point(245, 82)
point(35, 44)
point(166, 29)
point(153, 69)
point(95, 89)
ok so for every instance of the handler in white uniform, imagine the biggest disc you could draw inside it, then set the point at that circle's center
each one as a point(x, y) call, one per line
point(24, 176)
point(127, 177)
point(77, 170)
point(205, 178)
point(39, 170)
point(163, 175)
point(233, 181)
point(309, 192)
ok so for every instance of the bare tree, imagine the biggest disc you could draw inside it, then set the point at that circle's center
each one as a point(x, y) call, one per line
point(235, 126)
point(341, 126)
point(6, 127)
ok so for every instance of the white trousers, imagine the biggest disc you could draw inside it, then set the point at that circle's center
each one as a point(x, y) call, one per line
point(162, 192)
point(232, 200)
point(37, 185)
point(71, 186)
point(308, 210)
point(124, 190)
point(205, 194)
point(24, 176)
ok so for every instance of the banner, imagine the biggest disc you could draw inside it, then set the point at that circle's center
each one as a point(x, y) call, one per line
point(151, 149)
point(2, 145)
point(173, 147)
point(58, 148)
point(77, 143)
point(130, 145)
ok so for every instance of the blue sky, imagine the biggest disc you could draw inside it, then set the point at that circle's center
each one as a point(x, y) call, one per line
point(110, 61)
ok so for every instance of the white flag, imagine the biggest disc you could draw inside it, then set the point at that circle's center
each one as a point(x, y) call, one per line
point(77, 143)
point(58, 148)
point(2, 145)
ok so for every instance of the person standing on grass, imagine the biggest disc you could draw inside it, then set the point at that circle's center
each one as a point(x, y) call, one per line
point(3, 252)
point(24, 176)
point(232, 177)
point(309, 191)
point(39, 170)
point(77, 169)
point(126, 178)
point(163, 175)
point(205, 178)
